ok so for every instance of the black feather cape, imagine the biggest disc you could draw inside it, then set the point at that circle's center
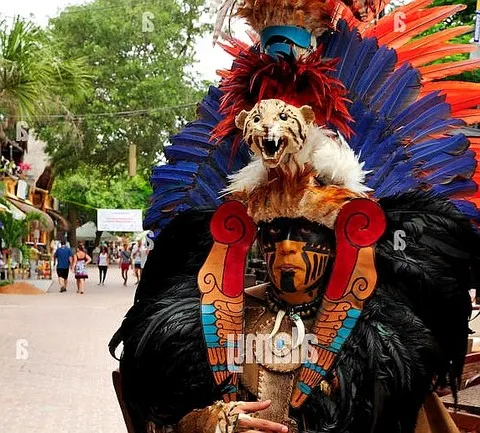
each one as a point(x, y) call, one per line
point(411, 337)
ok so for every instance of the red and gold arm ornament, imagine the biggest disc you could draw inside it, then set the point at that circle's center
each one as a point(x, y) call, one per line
point(360, 224)
point(221, 283)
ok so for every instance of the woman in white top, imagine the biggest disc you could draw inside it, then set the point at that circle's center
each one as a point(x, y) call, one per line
point(103, 262)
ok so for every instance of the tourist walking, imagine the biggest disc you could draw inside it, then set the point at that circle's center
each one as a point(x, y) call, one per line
point(139, 254)
point(103, 263)
point(125, 259)
point(63, 259)
point(80, 262)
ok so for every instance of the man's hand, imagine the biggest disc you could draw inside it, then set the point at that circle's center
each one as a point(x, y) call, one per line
point(256, 425)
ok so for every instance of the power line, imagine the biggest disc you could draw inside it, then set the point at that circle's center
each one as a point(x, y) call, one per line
point(109, 114)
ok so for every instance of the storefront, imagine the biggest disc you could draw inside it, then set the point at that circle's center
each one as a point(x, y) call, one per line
point(18, 197)
point(18, 194)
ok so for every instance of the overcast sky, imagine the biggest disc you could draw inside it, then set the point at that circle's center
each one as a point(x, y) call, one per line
point(210, 59)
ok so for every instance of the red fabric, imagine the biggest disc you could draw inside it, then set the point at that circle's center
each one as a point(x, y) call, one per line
point(232, 226)
point(360, 224)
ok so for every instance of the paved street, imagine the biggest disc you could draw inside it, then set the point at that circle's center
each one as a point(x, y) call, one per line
point(64, 385)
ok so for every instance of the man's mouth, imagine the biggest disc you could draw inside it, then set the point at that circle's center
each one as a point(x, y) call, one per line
point(288, 268)
point(272, 149)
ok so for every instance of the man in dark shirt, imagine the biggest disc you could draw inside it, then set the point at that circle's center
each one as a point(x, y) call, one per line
point(63, 258)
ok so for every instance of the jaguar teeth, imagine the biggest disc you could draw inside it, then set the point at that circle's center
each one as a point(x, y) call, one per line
point(271, 148)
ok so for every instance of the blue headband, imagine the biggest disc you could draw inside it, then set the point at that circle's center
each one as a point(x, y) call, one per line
point(295, 35)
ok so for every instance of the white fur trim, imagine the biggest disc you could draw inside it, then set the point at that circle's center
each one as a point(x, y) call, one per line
point(329, 154)
point(335, 161)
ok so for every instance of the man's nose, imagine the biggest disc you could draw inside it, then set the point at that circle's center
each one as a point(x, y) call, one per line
point(288, 247)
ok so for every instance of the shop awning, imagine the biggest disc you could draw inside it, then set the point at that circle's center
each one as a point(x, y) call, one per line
point(61, 221)
point(15, 211)
point(47, 225)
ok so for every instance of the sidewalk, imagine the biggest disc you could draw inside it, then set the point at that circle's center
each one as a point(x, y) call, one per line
point(55, 370)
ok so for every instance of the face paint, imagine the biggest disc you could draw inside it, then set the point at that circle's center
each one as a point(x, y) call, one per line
point(297, 254)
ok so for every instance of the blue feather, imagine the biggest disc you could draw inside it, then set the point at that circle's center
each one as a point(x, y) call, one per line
point(439, 161)
point(166, 200)
point(405, 92)
point(381, 66)
point(458, 186)
point(453, 145)
point(400, 180)
point(417, 109)
point(335, 43)
point(381, 169)
point(467, 208)
point(439, 127)
point(388, 86)
point(188, 153)
point(462, 166)
point(386, 148)
point(347, 56)
point(365, 53)
point(429, 118)
point(373, 139)
point(197, 170)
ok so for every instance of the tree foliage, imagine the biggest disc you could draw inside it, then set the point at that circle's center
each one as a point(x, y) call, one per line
point(89, 189)
point(34, 78)
point(139, 54)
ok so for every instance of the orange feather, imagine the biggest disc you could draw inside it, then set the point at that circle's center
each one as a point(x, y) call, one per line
point(463, 102)
point(442, 70)
point(470, 116)
point(415, 23)
point(422, 56)
point(435, 38)
point(385, 24)
point(475, 143)
point(415, 6)
point(460, 95)
point(340, 11)
point(453, 88)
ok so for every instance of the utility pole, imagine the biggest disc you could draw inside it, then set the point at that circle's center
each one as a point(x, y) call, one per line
point(132, 159)
point(476, 38)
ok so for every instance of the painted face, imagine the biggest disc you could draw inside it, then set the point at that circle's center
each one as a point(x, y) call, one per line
point(297, 253)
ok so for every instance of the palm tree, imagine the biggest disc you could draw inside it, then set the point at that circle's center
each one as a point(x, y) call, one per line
point(13, 231)
point(32, 74)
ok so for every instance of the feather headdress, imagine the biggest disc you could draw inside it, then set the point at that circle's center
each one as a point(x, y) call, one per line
point(256, 76)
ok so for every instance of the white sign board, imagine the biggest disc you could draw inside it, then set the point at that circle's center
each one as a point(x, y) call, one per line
point(22, 189)
point(119, 220)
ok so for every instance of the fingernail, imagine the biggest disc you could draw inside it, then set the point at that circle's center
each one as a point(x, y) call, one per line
point(285, 429)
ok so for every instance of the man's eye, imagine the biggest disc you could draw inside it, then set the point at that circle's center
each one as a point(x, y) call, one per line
point(273, 231)
point(305, 230)
point(283, 116)
point(256, 119)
